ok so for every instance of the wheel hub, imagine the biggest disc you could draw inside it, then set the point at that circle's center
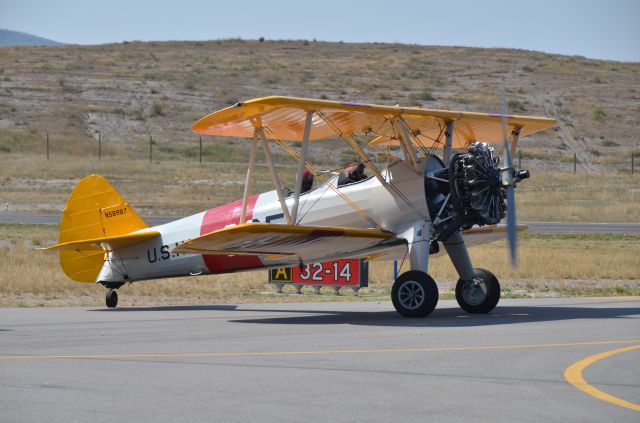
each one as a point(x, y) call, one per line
point(474, 292)
point(411, 295)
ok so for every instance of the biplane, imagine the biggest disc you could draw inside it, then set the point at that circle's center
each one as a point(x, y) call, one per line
point(424, 200)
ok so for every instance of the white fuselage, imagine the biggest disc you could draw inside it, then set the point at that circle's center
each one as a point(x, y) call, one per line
point(153, 259)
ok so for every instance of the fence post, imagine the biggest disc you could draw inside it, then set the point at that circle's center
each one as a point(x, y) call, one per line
point(47, 145)
point(99, 146)
point(150, 148)
point(574, 162)
point(200, 149)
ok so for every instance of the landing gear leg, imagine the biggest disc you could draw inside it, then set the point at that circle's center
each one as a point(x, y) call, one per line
point(415, 293)
point(111, 298)
point(480, 294)
point(477, 290)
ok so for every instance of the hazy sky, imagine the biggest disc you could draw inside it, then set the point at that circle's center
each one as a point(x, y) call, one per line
point(596, 29)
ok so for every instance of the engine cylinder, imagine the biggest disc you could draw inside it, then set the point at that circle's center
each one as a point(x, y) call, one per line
point(469, 192)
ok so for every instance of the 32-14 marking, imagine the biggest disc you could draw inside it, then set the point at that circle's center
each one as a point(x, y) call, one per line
point(314, 271)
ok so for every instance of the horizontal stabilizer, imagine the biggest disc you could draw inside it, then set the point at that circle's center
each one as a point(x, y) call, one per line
point(95, 220)
point(108, 243)
point(268, 239)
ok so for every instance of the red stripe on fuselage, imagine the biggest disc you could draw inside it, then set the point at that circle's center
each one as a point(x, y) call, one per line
point(218, 218)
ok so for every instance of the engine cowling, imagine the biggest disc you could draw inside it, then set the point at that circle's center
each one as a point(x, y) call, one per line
point(475, 182)
point(468, 192)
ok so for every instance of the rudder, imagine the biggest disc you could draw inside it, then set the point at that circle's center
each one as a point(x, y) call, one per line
point(94, 210)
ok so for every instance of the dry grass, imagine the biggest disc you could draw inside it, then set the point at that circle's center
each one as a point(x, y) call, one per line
point(35, 185)
point(597, 197)
point(557, 257)
point(549, 265)
point(161, 188)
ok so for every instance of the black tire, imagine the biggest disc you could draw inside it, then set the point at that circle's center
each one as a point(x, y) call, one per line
point(414, 294)
point(111, 298)
point(480, 295)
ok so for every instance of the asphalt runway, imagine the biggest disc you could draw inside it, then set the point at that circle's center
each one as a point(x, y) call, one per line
point(322, 362)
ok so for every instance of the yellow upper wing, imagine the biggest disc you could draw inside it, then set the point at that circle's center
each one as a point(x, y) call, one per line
point(278, 241)
point(284, 118)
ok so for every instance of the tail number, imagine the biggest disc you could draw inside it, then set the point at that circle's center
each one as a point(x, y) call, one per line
point(114, 211)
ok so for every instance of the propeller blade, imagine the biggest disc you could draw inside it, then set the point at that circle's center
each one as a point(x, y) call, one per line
point(507, 182)
point(511, 205)
point(511, 226)
point(503, 115)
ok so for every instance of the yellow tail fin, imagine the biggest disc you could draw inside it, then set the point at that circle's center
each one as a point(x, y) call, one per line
point(94, 211)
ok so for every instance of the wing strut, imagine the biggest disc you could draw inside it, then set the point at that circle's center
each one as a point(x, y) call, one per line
point(274, 174)
point(363, 156)
point(406, 142)
point(325, 181)
point(446, 157)
point(247, 182)
point(301, 165)
point(515, 136)
point(358, 150)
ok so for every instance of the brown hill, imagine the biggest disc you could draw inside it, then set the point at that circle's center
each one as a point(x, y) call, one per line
point(132, 90)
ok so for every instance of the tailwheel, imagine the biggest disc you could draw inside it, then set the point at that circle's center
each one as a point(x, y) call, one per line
point(111, 298)
point(414, 294)
point(479, 295)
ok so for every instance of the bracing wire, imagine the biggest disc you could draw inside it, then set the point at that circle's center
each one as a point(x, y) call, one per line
point(325, 181)
point(395, 189)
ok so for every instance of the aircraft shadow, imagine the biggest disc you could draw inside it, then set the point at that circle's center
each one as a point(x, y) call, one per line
point(197, 307)
point(446, 317)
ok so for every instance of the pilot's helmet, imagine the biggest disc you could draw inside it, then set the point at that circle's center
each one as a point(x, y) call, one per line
point(351, 168)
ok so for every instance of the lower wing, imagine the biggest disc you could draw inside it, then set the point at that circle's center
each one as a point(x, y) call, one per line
point(282, 244)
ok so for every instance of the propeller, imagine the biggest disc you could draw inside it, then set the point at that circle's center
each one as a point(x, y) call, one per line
point(509, 185)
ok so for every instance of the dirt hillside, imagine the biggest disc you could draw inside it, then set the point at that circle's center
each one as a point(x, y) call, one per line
point(129, 91)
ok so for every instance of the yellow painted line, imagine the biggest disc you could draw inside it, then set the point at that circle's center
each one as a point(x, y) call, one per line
point(573, 375)
point(320, 352)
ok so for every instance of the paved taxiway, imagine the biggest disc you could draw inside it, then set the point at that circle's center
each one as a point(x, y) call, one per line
point(319, 362)
point(537, 227)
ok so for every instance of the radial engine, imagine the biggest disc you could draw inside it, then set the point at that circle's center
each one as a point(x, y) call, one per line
point(472, 190)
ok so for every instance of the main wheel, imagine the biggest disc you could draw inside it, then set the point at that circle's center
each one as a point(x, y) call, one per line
point(479, 295)
point(414, 294)
point(111, 298)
